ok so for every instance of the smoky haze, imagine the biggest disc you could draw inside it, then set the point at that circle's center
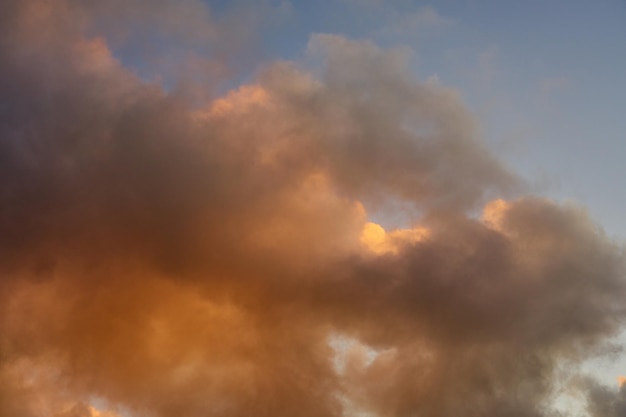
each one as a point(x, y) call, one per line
point(162, 258)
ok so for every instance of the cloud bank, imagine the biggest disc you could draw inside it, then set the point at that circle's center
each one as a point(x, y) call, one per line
point(163, 259)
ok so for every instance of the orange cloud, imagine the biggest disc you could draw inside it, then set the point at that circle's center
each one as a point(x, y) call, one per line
point(494, 212)
point(239, 101)
point(380, 242)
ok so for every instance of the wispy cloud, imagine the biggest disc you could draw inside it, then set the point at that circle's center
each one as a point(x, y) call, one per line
point(396, 22)
point(415, 22)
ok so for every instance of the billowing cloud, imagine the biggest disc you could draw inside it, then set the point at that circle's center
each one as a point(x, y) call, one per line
point(164, 259)
point(605, 401)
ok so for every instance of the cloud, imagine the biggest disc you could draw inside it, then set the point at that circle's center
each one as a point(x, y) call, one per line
point(175, 260)
point(605, 401)
point(185, 45)
point(399, 20)
point(412, 23)
point(550, 88)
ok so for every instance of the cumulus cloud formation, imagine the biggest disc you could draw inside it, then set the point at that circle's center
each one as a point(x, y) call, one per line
point(163, 259)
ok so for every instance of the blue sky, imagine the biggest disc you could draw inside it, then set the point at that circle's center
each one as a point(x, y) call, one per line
point(545, 78)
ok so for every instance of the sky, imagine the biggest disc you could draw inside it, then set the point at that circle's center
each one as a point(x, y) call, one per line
point(358, 208)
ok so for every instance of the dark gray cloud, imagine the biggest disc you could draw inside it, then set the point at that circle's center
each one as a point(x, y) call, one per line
point(603, 400)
